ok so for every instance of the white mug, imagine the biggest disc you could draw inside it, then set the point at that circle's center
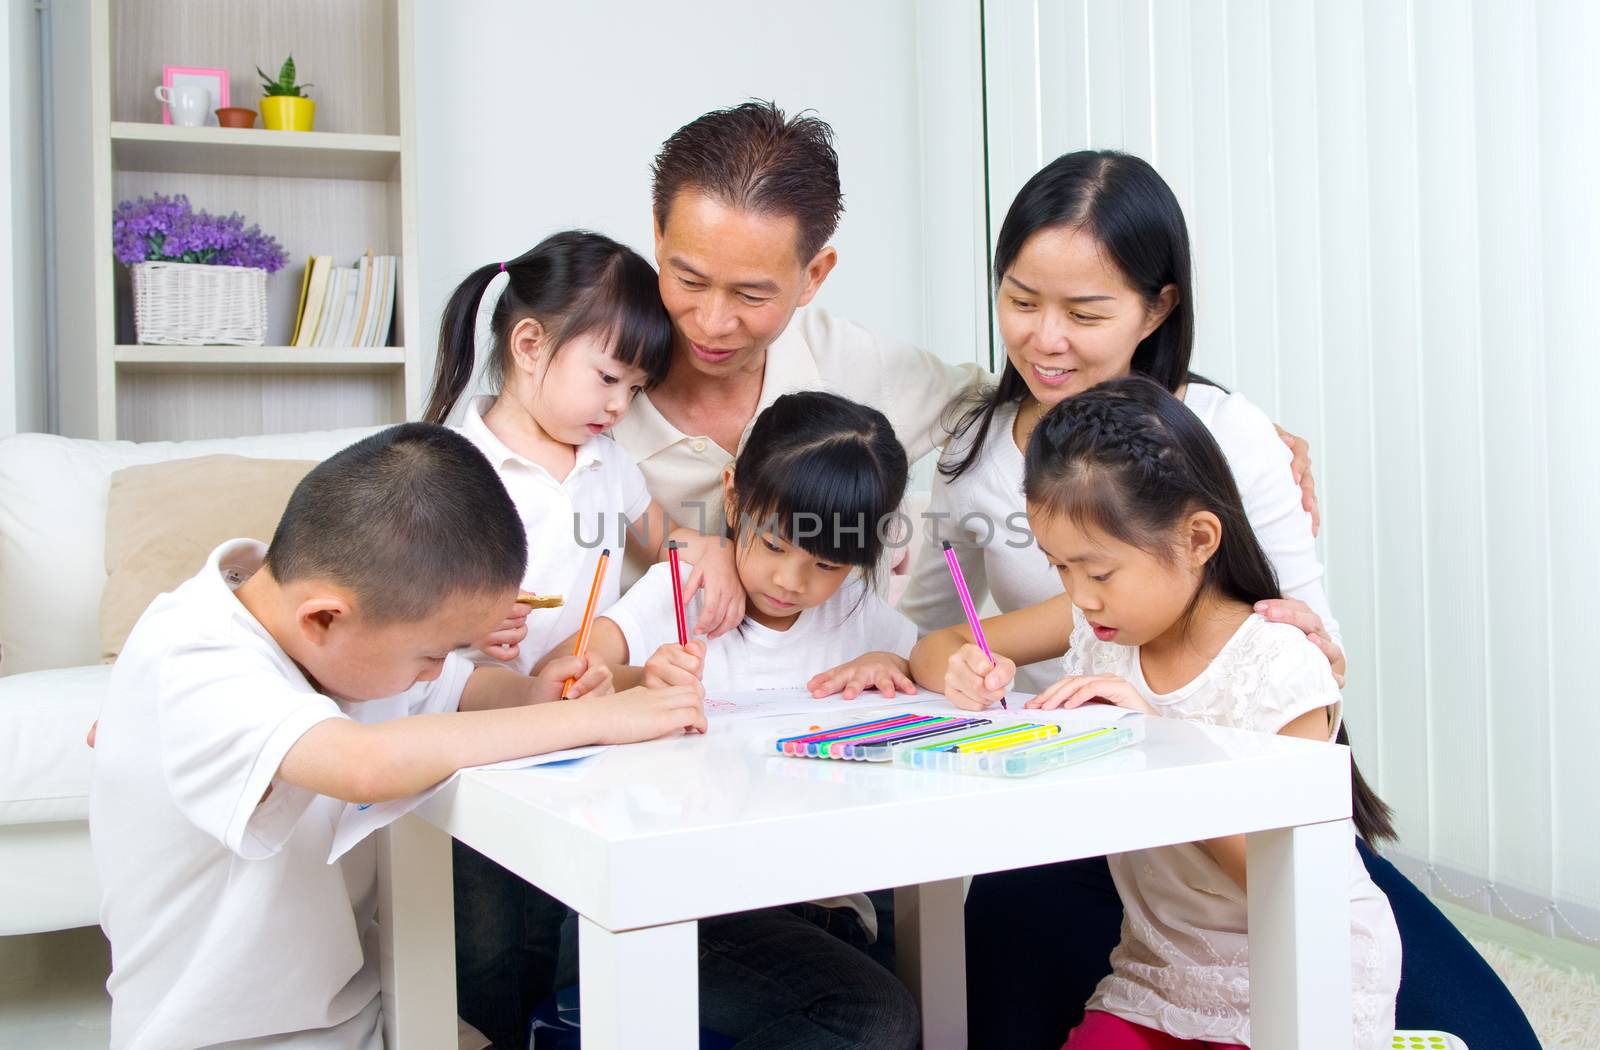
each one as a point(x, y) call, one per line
point(189, 104)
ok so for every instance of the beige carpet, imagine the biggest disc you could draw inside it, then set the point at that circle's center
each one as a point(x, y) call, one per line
point(1562, 1003)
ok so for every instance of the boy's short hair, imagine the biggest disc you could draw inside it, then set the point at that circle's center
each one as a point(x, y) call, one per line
point(752, 157)
point(402, 519)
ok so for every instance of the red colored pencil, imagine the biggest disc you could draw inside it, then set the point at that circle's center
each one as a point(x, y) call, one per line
point(677, 591)
point(588, 615)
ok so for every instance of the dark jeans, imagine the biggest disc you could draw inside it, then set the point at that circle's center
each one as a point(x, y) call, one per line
point(508, 941)
point(798, 976)
point(1043, 937)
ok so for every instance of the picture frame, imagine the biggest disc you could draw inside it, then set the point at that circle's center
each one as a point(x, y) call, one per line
point(213, 80)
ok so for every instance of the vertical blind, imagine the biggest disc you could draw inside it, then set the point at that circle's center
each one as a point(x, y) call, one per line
point(1395, 211)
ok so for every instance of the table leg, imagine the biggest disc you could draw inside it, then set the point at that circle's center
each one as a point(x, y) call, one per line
point(640, 988)
point(417, 938)
point(930, 947)
point(1299, 922)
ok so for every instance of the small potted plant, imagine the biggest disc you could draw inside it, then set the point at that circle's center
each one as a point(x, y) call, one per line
point(284, 106)
point(198, 279)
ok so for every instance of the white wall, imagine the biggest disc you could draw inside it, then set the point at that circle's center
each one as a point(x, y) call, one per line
point(1394, 209)
point(531, 118)
point(22, 333)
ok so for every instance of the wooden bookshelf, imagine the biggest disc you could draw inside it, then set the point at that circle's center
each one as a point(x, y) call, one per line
point(342, 190)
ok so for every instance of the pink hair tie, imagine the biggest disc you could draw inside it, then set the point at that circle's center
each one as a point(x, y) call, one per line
point(502, 267)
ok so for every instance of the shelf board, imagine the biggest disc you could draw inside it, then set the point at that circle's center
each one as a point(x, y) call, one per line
point(261, 359)
point(252, 151)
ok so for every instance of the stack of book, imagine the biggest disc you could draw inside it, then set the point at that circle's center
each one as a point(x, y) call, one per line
point(346, 305)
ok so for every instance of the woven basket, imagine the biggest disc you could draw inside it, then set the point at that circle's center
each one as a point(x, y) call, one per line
point(186, 304)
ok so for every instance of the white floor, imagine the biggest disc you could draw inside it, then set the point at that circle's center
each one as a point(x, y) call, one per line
point(53, 990)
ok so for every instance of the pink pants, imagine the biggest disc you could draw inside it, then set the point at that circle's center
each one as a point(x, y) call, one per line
point(1103, 1031)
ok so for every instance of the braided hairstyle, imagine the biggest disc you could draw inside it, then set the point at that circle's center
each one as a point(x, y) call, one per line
point(1130, 460)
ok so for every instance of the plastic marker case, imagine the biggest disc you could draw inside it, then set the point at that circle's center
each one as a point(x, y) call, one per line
point(872, 741)
point(956, 744)
point(1050, 748)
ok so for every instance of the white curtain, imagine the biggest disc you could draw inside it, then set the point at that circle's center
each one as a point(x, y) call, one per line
point(1395, 209)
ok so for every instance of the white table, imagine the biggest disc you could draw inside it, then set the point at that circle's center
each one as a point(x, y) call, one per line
point(643, 840)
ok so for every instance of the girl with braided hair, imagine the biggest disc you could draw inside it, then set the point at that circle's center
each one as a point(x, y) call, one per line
point(1132, 501)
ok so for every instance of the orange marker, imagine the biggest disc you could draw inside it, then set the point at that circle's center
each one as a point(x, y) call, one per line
point(588, 615)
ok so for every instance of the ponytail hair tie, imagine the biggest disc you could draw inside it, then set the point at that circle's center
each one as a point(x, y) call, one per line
point(502, 267)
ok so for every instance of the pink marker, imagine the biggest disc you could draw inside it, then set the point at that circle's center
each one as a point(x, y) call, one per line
point(966, 605)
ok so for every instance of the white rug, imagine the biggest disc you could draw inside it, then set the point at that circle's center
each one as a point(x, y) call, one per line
point(1562, 1003)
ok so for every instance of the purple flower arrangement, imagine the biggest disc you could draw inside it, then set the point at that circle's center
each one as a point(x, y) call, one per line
point(168, 229)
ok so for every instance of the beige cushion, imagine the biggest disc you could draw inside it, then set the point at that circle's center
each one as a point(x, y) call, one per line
point(164, 519)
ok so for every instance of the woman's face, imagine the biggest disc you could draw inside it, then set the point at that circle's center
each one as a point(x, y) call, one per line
point(1068, 317)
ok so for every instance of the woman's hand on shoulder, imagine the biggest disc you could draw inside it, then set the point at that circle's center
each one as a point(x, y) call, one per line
point(885, 672)
point(973, 682)
point(1077, 690)
point(1297, 613)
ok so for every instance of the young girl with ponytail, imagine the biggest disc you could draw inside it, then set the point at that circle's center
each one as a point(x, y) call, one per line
point(1132, 501)
point(577, 332)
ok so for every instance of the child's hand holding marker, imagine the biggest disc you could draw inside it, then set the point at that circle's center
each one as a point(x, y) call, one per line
point(1077, 690)
point(885, 672)
point(974, 682)
point(676, 665)
point(505, 640)
point(589, 677)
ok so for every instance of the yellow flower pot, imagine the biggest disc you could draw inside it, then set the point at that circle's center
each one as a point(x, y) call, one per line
point(287, 112)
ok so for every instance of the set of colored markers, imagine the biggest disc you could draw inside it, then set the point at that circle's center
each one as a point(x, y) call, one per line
point(958, 744)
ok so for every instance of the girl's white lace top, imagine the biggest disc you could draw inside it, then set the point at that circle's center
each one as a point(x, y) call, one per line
point(1183, 963)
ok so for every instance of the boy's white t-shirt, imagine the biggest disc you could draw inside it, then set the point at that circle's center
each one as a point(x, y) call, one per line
point(225, 919)
point(1183, 963)
point(853, 622)
point(592, 504)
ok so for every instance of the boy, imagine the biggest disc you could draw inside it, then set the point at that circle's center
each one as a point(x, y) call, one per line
point(281, 682)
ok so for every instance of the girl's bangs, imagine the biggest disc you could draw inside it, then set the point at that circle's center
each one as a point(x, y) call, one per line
point(628, 313)
point(825, 508)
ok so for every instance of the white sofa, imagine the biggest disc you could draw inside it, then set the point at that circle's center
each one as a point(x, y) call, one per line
point(52, 567)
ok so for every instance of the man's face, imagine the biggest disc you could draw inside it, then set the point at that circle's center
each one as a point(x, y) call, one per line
point(731, 279)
